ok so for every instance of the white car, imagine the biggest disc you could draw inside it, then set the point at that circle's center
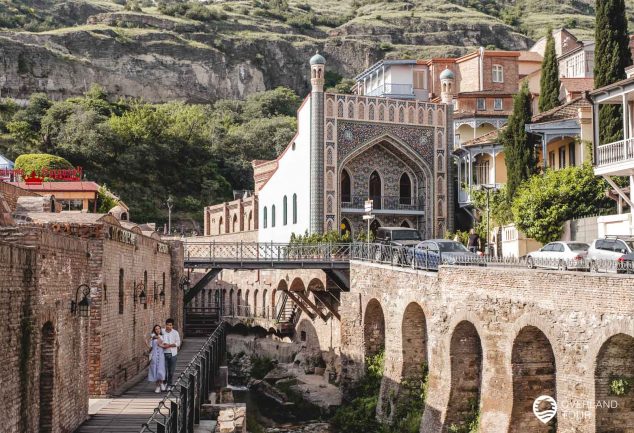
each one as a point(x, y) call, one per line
point(612, 253)
point(559, 255)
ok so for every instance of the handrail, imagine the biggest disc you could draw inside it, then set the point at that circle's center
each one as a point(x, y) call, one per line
point(265, 252)
point(179, 410)
point(615, 152)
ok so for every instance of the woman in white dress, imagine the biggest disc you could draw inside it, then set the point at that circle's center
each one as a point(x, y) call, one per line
point(156, 372)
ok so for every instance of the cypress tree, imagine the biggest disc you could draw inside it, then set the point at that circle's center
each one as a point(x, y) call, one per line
point(549, 81)
point(519, 154)
point(611, 57)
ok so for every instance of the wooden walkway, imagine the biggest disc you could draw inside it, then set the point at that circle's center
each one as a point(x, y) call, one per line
point(126, 414)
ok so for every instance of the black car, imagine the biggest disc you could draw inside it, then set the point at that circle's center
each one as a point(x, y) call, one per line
point(395, 243)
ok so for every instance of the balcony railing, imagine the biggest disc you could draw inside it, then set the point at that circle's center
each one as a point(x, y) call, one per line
point(614, 153)
point(388, 89)
point(385, 202)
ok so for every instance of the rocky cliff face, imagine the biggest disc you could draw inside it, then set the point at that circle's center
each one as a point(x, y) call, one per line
point(159, 58)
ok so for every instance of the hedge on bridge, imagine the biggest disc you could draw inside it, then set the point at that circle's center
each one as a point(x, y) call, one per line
point(35, 162)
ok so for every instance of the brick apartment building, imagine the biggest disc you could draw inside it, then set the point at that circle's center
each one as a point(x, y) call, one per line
point(47, 259)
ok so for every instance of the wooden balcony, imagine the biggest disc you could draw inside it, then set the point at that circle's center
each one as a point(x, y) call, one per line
point(615, 159)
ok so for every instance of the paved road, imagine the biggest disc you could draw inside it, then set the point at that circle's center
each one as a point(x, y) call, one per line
point(126, 413)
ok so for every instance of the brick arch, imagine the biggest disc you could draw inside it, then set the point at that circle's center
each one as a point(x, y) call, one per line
point(373, 328)
point(297, 285)
point(466, 355)
point(534, 374)
point(316, 285)
point(615, 360)
point(47, 378)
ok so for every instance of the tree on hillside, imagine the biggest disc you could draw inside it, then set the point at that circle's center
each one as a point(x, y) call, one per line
point(612, 56)
point(549, 81)
point(518, 151)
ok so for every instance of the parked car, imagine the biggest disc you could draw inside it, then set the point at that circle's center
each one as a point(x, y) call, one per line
point(612, 254)
point(429, 254)
point(395, 242)
point(559, 255)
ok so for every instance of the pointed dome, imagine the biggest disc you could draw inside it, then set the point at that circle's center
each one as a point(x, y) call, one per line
point(446, 74)
point(317, 59)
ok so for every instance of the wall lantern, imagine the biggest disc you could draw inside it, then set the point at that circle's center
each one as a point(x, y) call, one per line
point(81, 306)
point(161, 294)
point(184, 283)
point(142, 295)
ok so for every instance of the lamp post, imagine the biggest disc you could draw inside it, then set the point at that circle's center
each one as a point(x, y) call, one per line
point(169, 203)
point(82, 307)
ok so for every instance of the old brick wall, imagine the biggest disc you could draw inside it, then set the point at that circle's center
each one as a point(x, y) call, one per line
point(48, 346)
point(11, 193)
point(518, 319)
point(122, 324)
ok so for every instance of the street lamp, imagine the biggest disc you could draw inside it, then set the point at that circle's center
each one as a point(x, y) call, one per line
point(488, 226)
point(169, 203)
point(82, 307)
point(184, 283)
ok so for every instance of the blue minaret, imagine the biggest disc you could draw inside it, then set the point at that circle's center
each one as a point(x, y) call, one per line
point(317, 66)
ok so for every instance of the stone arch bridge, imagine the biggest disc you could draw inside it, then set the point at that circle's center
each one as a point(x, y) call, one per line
point(494, 340)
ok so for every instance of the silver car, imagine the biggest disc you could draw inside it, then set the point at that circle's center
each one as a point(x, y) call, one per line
point(612, 254)
point(559, 255)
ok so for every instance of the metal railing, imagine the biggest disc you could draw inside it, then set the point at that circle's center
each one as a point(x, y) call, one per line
point(231, 252)
point(388, 89)
point(430, 260)
point(179, 410)
point(618, 151)
point(385, 202)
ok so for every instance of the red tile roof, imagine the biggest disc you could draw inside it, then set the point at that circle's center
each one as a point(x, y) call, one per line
point(59, 186)
point(488, 138)
point(577, 84)
point(563, 112)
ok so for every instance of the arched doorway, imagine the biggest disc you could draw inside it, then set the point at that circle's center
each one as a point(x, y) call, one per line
point(47, 377)
point(345, 228)
point(614, 385)
point(373, 329)
point(346, 190)
point(533, 367)
point(415, 365)
point(465, 354)
point(374, 227)
point(405, 189)
point(375, 189)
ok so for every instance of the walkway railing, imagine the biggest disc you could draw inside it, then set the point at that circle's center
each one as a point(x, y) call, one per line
point(429, 260)
point(384, 202)
point(179, 410)
point(614, 153)
point(223, 253)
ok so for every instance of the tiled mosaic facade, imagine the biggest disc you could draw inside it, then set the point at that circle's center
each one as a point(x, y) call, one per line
point(393, 136)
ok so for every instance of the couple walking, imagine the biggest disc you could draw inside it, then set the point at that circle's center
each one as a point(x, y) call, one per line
point(164, 346)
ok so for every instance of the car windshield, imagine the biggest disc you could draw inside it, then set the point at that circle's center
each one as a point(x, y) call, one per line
point(452, 247)
point(405, 235)
point(578, 246)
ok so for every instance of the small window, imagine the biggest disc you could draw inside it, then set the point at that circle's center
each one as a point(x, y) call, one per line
point(284, 211)
point(481, 104)
point(571, 154)
point(302, 335)
point(498, 74)
point(548, 247)
point(551, 159)
point(419, 79)
point(497, 104)
point(121, 291)
point(273, 216)
point(264, 218)
point(294, 208)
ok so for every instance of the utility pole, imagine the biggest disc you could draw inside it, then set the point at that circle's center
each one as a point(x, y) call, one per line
point(170, 203)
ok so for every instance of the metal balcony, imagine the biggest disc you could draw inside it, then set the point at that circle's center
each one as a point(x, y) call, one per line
point(384, 203)
point(390, 89)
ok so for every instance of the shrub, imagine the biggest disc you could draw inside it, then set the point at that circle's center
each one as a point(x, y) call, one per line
point(260, 366)
point(35, 162)
point(620, 386)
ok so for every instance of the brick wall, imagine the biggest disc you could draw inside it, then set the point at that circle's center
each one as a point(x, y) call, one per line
point(503, 335)
point(47, 352)
point(11, 193)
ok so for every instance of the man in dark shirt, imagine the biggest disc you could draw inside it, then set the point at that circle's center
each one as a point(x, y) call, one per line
point(474, 241)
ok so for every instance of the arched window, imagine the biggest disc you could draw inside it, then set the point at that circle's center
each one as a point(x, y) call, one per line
point(273, 216)
point(284, 211)
point(234, 223)
point(294, 208)
point(345, 187)
point(264, 218)
point(405, 188)
point(121, 294)
point(374, 227)
point(220, 226)
point(250, 220)
point(374, 189)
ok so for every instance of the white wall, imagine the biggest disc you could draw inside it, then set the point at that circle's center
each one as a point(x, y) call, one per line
point(619, 224)
point(291, 177)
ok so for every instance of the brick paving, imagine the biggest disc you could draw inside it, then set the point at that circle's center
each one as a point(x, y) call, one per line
point(126, 413)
